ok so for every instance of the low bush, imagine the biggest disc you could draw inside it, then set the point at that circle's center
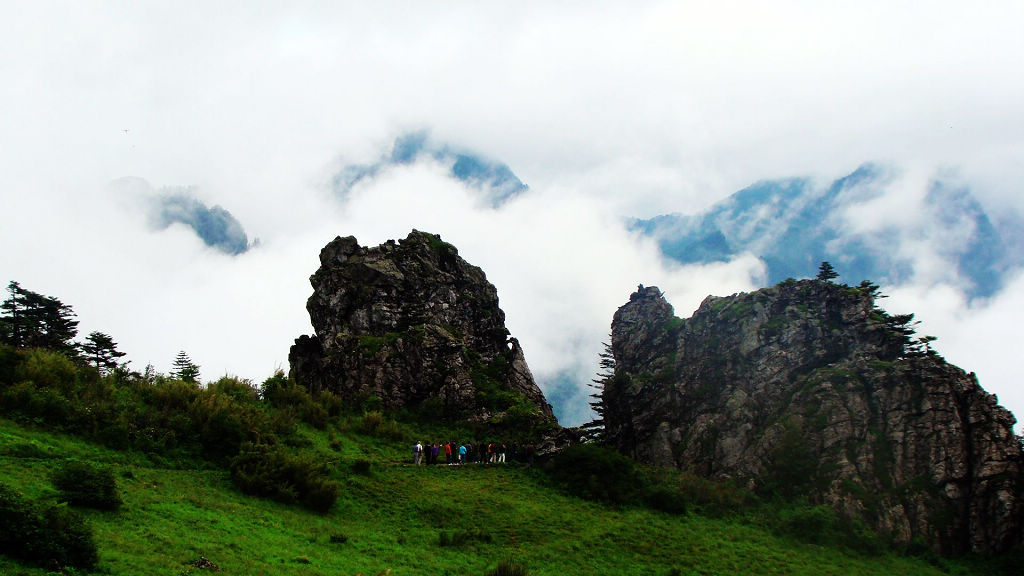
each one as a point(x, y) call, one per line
point(240, 389)
point(48, 369)
point(362, 466)
point(44, 534)
point(509, 567)
point(83, 484)
point(712, 498)
point(595, 473)
point(664, 498)
point(28, 450)
point(463, 537)
point(284, 394)
point(374, 423)
point(823, 526)
point(269, 471)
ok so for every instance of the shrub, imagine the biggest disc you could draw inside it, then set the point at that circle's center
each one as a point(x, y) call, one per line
point(665, 498)
point(509, 567)
point(813, 524)
point(463, 537)
point(268, 471)
point(44, 534)
point(362, 467)
point(28, 450)
point(822, 525)
point(373, 422)
point(595, 473)
point(82, 484)
point(48, 369)
point(712, 497)
point(284, 394)
point(10, 358)
point(240, 389)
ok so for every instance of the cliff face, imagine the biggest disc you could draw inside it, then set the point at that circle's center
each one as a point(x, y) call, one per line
point(807, 388)
point(416, 326)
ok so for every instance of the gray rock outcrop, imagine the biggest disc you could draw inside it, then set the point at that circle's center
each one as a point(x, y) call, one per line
point(807, 388)
point(414, 325)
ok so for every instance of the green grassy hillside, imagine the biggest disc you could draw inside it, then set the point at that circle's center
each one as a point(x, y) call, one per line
point(404, 519)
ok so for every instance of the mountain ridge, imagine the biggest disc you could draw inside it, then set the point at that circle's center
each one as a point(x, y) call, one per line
point(807, 389)
point(793, 224)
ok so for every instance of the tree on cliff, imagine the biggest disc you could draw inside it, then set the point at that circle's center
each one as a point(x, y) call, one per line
point(595, 428)
point(826, 273)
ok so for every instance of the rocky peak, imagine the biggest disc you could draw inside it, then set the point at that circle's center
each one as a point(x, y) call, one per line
point(807, 387)
point(413, 324)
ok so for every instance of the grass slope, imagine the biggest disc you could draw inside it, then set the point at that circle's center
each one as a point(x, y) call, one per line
point(393, 519)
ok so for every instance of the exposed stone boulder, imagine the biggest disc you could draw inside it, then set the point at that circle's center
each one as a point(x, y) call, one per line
point(807, 388)
point(415, 325)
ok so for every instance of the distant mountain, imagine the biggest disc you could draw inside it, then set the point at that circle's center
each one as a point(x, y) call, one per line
point(494, 179)
point(793, 225)
point(215, 226)
point(170, 205)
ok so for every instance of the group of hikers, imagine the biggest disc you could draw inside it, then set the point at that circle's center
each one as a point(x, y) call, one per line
point(456, 453)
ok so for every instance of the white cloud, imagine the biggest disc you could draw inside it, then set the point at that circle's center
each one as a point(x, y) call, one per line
point(561, 262)
point(603, 109)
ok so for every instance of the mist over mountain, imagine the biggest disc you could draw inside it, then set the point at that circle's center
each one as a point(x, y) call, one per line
point(494, 180)
point(169, 205)
point(938, 233)
point(215, 226)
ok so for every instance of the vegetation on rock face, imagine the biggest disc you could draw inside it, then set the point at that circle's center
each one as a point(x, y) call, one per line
point(416, 326)
point(815, 396)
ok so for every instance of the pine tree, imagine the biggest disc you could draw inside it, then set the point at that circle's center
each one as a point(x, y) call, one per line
point(101, 350)
point(826, 273)
point(184, 369)
point(12, 327)
point(32, 320)
point(594, 429)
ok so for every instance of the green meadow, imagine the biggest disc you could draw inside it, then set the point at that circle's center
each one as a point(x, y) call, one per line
point(394, 518)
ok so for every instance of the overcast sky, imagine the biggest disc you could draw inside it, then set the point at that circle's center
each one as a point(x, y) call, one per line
point(604, 109)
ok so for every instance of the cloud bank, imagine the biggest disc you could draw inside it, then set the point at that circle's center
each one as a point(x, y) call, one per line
point(605, 110)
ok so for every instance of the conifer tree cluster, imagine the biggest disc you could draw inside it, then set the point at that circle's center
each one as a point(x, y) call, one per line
point(32, 320)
